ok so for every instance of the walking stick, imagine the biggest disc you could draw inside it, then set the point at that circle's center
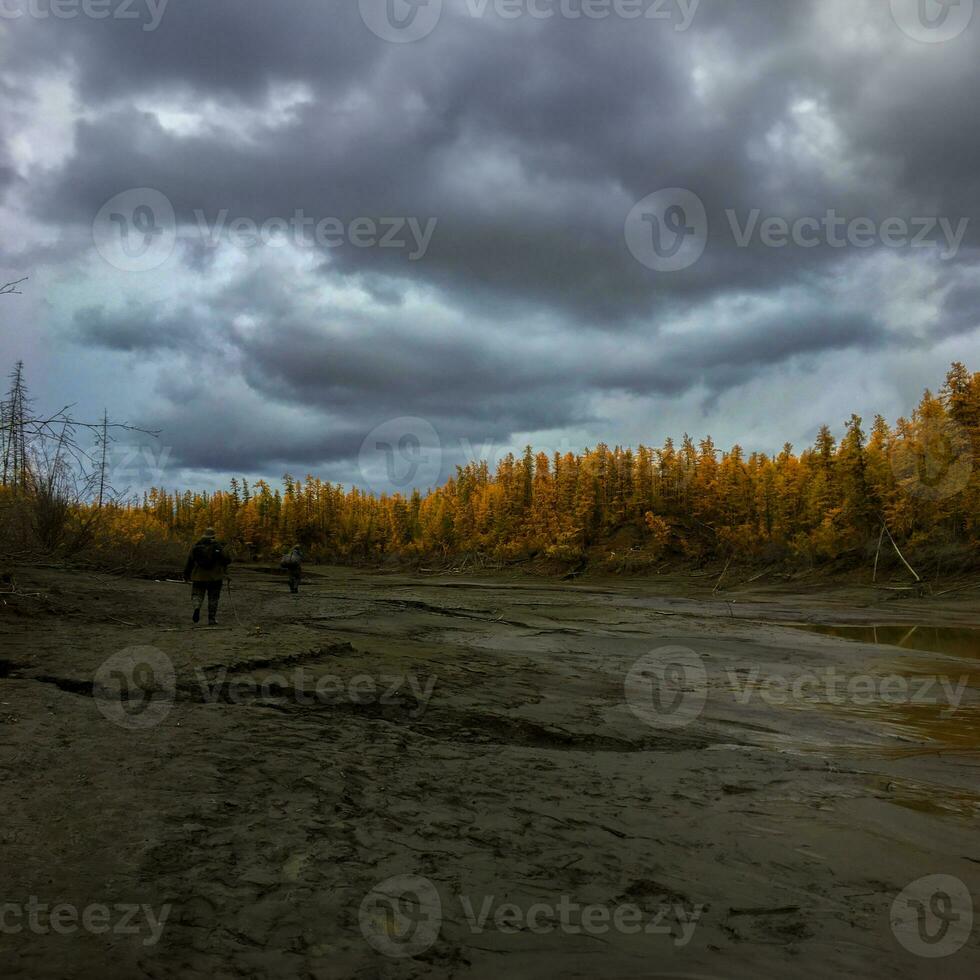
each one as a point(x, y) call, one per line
point(231, 602)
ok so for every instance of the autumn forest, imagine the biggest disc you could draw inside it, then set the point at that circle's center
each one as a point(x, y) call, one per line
point(615, 508)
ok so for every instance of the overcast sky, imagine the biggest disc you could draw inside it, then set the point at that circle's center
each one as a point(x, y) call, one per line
point(268, 229)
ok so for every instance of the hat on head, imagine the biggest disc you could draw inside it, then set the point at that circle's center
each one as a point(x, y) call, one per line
point(209, 532)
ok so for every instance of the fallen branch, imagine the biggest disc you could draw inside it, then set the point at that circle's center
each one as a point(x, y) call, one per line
point(959, 588)
point(881, 538)
point(899, 552)
point(755, 578)
point(720, 577)
point(25, 595)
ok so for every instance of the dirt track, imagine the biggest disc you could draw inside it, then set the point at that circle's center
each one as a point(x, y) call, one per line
point(480, 735)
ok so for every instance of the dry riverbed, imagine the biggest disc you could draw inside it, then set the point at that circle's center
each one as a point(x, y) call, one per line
point(395, 776)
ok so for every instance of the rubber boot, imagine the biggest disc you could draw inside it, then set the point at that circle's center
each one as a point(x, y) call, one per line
point(197, 614)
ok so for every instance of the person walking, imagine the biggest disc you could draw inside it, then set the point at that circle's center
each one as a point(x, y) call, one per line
point(293, 563)
point(206, 570)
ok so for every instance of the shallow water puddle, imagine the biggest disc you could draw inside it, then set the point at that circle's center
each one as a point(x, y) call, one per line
point(958, 641)
point(941, 725)
point(931, 799)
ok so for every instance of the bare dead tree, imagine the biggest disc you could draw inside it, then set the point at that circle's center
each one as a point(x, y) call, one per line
point(15, 425)
point(24, 432)
point(103, 443)
point(48, 470)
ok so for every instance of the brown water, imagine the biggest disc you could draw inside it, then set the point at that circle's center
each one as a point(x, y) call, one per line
point(959, 641)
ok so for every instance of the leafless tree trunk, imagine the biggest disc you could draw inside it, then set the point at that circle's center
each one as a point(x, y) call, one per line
point(104, 441)
point(15, 432)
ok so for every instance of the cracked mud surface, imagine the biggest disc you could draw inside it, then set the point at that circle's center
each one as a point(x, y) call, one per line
point(270, 800)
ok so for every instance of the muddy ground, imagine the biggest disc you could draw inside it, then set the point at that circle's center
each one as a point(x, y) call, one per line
point(357, 781)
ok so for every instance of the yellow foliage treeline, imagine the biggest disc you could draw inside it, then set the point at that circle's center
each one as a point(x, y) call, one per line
point(921, 477)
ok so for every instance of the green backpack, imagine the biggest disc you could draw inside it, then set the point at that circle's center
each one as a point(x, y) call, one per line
point(208, 554)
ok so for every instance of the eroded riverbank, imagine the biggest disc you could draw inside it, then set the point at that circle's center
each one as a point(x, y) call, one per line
point(517, 742)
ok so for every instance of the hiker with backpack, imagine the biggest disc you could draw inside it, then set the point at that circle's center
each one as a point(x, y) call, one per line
point(207, 568)
point(293, 563)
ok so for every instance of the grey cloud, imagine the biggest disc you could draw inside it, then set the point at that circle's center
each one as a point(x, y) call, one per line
point(136, 328)
point(529, 142)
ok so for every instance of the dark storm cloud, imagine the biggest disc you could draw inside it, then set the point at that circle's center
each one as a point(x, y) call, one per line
point(468, 385)
point(264, 446)
point(137, 328)
point(961, 309)
point(226, 48)
point(529, 141)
